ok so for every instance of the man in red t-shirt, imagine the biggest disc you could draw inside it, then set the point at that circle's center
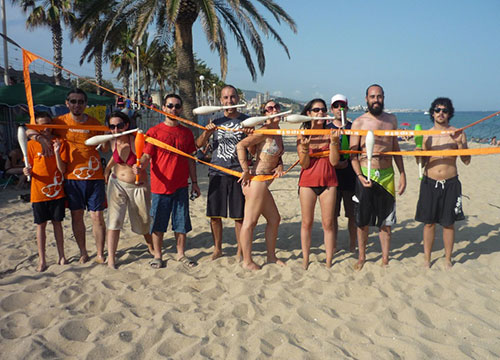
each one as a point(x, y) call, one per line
point(169, 180)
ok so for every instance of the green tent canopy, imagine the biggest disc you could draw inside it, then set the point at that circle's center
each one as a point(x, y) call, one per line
point(44, 94)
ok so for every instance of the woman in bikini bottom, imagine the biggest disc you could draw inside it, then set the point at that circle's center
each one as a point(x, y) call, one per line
point(317, 180)
point(258, 199)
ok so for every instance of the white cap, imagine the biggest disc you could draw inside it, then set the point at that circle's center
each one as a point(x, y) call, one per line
point(338, 97)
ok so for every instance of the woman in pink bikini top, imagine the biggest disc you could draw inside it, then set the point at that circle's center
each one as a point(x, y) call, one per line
point(122, 192)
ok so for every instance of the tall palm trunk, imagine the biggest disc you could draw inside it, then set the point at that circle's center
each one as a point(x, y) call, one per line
point(98, 68)
point(185, 58)
point(57, 41)
point(185, 67)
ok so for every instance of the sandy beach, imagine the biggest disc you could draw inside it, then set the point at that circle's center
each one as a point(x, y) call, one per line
point(218, 310)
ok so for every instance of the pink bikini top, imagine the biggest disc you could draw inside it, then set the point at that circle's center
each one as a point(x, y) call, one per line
point(131, 160)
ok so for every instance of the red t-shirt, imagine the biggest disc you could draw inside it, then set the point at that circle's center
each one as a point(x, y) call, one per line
point(84, 161)
point(46, 179)
point(319, 173)
point(169, 171)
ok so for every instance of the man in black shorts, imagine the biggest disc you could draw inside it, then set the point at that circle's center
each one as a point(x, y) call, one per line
point(440, 199)
point(376, 191)
point(224, 191)
point(345, 173)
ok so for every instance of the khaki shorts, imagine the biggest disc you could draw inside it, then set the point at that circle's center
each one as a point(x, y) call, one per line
point(137, 199)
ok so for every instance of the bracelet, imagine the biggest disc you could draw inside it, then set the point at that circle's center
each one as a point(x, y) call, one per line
point(194, 182)
point(358, 174)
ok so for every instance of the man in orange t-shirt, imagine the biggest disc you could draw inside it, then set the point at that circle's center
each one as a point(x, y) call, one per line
point(84, 185)
point(47, 193)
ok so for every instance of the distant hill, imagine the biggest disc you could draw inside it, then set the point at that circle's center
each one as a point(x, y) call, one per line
point(295, 104)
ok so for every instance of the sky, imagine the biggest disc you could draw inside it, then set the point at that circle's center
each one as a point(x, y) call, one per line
point(417, 50)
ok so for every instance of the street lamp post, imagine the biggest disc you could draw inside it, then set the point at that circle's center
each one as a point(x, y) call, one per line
point(214, 85)
point(202, 92)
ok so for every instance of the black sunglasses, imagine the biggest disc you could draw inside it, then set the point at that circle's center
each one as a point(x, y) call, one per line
point(171, 106)
point(118, 126)
point(438, 110)
point(337, 105)
point(276, 107)
point(318, 110)
point(74, 101)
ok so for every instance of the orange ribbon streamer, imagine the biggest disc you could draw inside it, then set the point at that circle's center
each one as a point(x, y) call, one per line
point(238, 174)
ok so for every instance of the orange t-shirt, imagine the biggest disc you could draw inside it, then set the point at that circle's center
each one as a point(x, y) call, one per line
point(46, 179)
point(84, 161)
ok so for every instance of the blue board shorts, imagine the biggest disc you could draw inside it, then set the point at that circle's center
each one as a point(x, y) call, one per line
point(177, 205)
point(85, 194)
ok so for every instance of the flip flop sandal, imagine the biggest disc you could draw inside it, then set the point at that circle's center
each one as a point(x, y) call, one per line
point(156, 263)
point(188, 262)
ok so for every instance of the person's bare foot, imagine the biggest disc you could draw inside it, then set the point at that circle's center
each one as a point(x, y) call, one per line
point(84, 258)
point(305, 264)
point(275, 260)
point(239, 256)
point(62, 261)
point(352, 248)
point(217, 254)
point(41, 267)
point(251, 266)
point(359, 265)
point(100, 259)
point(111, 265)
point(448, 264)
point(384, 263)
point(328, 264)
point(150, 248)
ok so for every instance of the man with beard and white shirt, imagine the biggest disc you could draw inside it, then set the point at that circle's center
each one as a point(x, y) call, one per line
point(224, 190)
point(376, 192)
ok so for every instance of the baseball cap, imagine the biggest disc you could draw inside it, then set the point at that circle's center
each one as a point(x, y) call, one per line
point(339, 97)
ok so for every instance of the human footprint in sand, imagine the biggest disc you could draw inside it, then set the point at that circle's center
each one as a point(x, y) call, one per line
point(440, 199)
point(47, 193)
point(258, 199)
point(318, 180)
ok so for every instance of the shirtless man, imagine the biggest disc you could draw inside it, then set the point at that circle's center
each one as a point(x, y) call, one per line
point(376, 193)
point(440, 199)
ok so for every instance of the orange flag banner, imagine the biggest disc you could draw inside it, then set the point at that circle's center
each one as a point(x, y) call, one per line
point(28, 58)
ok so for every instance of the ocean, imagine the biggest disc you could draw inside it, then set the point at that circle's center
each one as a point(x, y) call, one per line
point(485, 130)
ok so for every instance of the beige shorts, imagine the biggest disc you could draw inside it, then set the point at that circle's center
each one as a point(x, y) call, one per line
point(137, 199)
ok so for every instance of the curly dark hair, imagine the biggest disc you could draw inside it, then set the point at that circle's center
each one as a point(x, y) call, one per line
point(444, 102)
point(307, 108)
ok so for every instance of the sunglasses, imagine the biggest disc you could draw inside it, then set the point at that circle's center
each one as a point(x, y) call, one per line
point(271, 108)
point(74, 101)
point(438, 110)
point(171, 106)
point(117, 126)
point(339, 105)
point(318, 110)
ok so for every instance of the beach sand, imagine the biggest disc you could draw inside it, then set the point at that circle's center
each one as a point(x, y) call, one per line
point(218, 310)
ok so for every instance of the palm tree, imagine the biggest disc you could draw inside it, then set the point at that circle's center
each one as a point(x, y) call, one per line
point(175, 19)
point(91, 24)
point(121, 54)
point(49, 13)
